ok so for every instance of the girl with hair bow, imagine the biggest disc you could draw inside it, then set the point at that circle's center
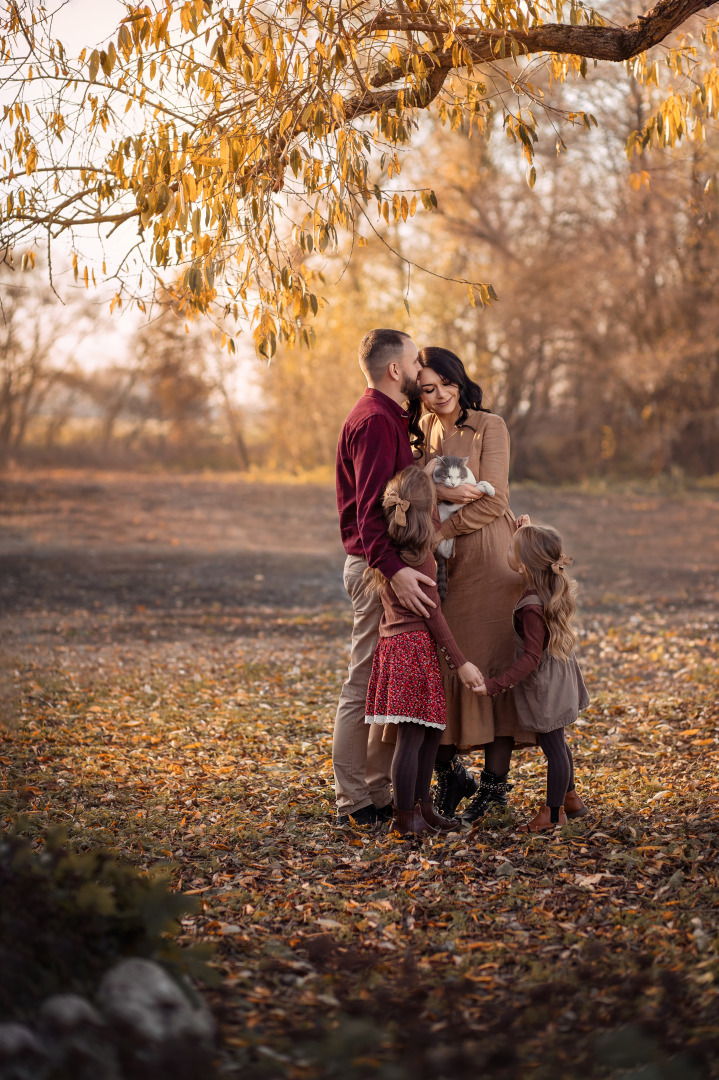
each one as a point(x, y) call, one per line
point(548, 687)
point(405, 687)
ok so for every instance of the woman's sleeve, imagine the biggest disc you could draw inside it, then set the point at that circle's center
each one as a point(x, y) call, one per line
point(493, 466)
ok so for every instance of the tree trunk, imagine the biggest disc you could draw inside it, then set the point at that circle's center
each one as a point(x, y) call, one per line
point(241, 452)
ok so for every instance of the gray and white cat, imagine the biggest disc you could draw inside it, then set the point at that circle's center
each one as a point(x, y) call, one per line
point(451, 472)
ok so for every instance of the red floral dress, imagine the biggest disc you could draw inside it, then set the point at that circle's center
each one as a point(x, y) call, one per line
point(406, 682)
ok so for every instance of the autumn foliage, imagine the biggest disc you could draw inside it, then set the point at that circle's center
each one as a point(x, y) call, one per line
point(239, 139)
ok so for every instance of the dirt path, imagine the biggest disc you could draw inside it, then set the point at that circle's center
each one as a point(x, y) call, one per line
point(118, 542)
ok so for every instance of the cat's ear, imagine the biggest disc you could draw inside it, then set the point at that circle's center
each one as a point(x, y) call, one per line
point(465, 460)
point(439, 460)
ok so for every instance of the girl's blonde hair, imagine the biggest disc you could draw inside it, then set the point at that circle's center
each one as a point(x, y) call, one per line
point(539, 549)
point(407, 504)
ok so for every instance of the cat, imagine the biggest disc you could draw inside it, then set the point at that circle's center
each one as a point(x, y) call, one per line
point(452, 471)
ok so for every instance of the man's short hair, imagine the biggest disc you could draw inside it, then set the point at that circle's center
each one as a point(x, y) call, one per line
point(378, 349)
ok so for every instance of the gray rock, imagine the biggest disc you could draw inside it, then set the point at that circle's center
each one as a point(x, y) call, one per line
point(160, 1026)
point(78, 1039)
point(22, 1055)
point(62, 1013)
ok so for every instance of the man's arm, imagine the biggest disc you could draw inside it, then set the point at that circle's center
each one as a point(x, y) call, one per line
point(374, 453)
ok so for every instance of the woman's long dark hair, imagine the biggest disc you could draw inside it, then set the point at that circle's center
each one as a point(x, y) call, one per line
point(449, 367)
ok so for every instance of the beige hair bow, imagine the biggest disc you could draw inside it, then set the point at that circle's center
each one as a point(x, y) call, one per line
point(401, 507)
point(562, 561)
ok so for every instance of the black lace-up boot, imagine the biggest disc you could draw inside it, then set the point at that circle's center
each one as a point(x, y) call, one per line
point(454, 783)
point(492, 792)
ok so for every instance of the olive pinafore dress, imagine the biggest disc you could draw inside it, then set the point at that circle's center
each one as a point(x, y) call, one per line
point(552, 695)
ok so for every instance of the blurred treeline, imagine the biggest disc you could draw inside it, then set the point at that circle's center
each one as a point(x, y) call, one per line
point(167, 402)
point(602, 353)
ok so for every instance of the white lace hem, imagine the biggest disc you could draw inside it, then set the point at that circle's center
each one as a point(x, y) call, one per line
point(402, 720)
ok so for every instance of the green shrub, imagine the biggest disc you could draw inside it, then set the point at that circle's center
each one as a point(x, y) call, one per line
point(65, 918)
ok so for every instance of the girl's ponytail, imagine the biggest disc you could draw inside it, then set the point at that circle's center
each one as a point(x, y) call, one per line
point(407, 504)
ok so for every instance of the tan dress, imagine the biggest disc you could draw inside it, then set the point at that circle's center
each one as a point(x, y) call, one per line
point(482, 590)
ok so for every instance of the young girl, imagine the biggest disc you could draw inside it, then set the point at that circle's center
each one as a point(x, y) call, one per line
point(548, 687)
point(406, 685)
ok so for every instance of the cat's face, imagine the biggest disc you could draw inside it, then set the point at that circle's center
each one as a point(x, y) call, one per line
point(451, 471)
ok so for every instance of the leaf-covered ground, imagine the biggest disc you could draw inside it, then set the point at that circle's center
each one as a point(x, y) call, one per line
point(199, 736)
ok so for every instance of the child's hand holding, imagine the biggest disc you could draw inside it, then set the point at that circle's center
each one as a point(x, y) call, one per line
point(523, 519)
point(470, 675)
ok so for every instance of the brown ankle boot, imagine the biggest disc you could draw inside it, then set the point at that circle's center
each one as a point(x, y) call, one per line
point(543, 823)
point(573, 805)
point(430, 815)
point(410, 822)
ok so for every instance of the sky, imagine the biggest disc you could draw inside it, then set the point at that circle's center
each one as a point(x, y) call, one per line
point(89, 24)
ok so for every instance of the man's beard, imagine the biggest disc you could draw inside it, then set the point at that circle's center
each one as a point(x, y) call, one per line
point(410, 388)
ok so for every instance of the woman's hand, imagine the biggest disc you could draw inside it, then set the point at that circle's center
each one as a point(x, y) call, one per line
point(470, 675)
point(464, 493)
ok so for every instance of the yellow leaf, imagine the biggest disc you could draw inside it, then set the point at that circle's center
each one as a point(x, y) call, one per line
point(189, 185)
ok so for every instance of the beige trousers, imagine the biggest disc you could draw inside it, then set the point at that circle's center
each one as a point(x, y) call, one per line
point(361, 761)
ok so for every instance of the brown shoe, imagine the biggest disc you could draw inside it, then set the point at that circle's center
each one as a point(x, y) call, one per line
point(543, 823)
point(442, 824)
point(410, 822)
point(573, 805)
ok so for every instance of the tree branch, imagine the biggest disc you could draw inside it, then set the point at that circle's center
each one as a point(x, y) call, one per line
point(595, 42)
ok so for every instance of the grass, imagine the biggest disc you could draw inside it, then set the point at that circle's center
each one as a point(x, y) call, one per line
point(350, 953)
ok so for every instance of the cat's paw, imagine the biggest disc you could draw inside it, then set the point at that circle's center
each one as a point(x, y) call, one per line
point(445, 548)
point(486, 487)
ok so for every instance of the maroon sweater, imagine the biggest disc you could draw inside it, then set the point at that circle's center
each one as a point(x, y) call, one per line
point(399, 620)
point(532, 629)
point(373, 446)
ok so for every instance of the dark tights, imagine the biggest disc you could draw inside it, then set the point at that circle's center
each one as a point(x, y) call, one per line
point(497, 754)
point(560, 766)
point(413, 762)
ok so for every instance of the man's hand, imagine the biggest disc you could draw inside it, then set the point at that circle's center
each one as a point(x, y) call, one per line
point(464, 493)
point(406, 587)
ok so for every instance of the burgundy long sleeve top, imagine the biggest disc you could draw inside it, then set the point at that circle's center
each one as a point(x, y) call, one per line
point(399, 620)
point(532, 629)
point(373, 446)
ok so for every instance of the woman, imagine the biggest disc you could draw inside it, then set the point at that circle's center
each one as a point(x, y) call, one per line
point(482, 590)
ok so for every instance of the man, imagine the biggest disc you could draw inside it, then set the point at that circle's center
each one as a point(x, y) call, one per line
point(373, 446)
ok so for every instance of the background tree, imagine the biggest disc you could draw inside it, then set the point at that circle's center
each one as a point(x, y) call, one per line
point(600, 354)
point(170, 389)
point(235, 137)
point(37, 375)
